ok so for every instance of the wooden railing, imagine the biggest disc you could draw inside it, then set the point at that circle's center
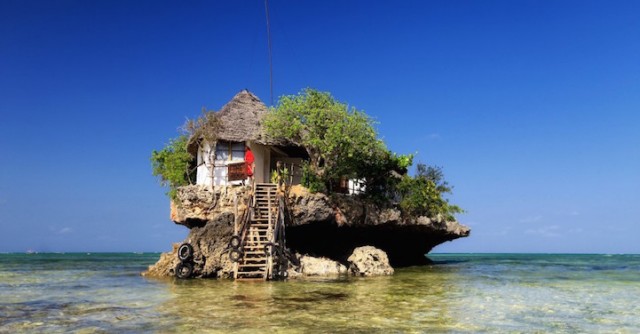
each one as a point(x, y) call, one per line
point(278, 252)
point(287, 172)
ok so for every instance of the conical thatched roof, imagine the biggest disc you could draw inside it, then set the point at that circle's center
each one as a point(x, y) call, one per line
point(240, 120)
point(241, 117)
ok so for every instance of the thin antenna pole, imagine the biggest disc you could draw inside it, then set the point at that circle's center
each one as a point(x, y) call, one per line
point(266, 7)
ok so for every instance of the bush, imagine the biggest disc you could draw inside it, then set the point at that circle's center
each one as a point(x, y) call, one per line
point(173, 165)
point(422, 195)
point(311, 181)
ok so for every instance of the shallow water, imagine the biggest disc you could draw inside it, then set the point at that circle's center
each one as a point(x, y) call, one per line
point(459, 293)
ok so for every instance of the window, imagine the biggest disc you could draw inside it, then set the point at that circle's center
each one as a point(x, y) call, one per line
point(229, 151)
point(222, 151)
point(237, 151)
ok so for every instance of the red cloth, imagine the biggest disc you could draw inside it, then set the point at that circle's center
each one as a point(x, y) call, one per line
point(248, 160)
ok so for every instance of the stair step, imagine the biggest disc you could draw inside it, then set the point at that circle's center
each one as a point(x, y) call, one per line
point(253, 265)
point(254, 246)
point(253, 270)
point(255, 260)
point(261, 277)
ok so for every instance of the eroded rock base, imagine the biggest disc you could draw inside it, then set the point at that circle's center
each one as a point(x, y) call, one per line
point(209, 243)
point(404, 245)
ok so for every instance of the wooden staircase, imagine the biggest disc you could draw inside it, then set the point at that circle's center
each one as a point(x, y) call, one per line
point(256, 263)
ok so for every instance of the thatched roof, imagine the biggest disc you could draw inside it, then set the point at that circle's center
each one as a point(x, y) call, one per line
point(240, 120)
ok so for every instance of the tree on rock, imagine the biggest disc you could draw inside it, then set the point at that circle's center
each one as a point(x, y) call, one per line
point(337, 138)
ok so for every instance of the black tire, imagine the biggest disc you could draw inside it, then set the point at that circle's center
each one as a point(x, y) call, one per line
point(185, 252)
point(184, 270)
point(234, 242)
point(235, 254)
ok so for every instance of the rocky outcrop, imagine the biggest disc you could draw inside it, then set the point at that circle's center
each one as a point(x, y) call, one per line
point(209, 243)
point(314, 266)
point(306, 207)
point(195, 205)
point(350, 222)
point(319, 226)
point(369, 261)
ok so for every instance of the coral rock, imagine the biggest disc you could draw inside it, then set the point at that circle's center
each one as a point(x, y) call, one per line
point(369, 261)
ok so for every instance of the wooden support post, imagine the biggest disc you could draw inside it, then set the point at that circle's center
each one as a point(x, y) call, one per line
point(235, 217)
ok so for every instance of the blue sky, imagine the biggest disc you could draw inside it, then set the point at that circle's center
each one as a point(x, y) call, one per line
point(531, 107)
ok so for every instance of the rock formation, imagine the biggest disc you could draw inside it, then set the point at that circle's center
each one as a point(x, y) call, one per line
point(369, 261)
point(328, 231)
point(314, 266)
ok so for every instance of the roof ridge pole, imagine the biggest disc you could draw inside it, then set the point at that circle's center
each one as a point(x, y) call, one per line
point(266, 7)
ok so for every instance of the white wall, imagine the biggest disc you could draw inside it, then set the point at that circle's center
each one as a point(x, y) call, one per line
point(203, 173)
point(207, 159)
point(356, 187)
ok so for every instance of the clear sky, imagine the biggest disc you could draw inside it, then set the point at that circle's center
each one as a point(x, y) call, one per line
point(531, 107)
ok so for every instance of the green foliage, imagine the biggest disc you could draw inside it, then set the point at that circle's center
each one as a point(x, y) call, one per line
point(311, 181)
point(403, 161)
point(278, 176)
point(383, 174)
point(172, 165)
point(337, 138)
point(423, 194)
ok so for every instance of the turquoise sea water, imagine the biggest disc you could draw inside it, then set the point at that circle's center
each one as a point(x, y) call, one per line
point(460, 293)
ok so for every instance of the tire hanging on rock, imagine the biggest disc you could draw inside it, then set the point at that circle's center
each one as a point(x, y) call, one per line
point(185, 252)
point(184, 270)
point(235, 254)
point(234, 242)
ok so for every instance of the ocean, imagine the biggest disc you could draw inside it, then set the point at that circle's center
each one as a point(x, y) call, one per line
point(459, 293)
